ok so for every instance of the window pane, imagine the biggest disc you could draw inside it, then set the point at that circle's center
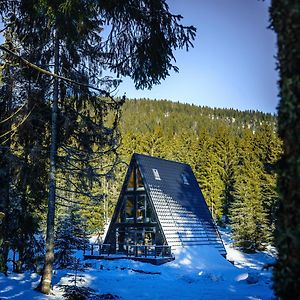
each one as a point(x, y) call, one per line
point(120, 239)
point(139, 238)
point(130, 185)
point(121, 215)
point(130, 236)
point(149, 236)
point(129, 209)
point(149, 216)
point(119, 219)
point(140, 184)
point(141, 209)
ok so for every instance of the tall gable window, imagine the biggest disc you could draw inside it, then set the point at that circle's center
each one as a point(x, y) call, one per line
point(135, 181)
point(156, 174)
point(139, 181)
point(130, 185)
point(184, 179)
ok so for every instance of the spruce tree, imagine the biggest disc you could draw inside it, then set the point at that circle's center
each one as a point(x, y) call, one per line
point(268, 148)
point(247, 214)
point(71, 235)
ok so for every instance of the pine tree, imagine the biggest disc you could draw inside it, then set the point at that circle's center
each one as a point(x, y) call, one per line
point(153, 143)
point(268, 147)
point(71, 235)
point(247, 215)
point(18, 196)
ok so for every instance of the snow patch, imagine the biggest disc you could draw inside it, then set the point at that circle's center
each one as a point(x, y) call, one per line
point(198, 272)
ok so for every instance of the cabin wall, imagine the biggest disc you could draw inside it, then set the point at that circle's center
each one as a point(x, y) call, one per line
point(134, 221)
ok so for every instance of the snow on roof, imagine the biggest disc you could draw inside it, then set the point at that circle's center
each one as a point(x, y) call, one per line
point(180, 207)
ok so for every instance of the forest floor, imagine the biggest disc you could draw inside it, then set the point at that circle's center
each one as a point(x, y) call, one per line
point(196, 273)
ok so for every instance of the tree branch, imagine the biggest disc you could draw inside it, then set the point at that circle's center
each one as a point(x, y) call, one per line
point(8, 118)
point(48, 73)
point(17, 126)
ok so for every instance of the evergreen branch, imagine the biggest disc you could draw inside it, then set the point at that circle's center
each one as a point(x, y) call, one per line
point(11, 116)
point(64, 205)
point(48, 73)
point(71, 201)
point(76, 154)
point(70, 191)
point(5, 141)
point(22, 122)
point(80, 170)
point(5, 28)
point(78, 188)
point(83, 171)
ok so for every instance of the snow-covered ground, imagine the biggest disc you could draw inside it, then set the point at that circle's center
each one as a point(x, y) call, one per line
point(196, 273)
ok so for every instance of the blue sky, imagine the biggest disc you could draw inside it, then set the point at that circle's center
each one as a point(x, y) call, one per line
point(232, 63)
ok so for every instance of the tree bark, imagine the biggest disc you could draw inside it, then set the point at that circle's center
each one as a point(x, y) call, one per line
point(285, 20)
point(5, 166)
point(45, 285)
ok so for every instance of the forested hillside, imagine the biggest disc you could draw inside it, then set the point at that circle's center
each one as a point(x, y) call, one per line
point(64, 146)
point(232, 153)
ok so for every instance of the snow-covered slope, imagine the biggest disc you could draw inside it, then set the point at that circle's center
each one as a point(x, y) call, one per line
point(196, 273)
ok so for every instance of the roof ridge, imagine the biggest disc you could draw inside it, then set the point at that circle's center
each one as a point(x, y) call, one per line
point(159, 158)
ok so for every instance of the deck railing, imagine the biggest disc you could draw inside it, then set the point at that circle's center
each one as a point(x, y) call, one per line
point(146, 251)
point(155, 251)
point(100, 249)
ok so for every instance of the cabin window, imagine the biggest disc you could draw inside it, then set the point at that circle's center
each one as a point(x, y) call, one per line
point(120, 219)
point(149, 237)
point(130, 186)
point(149, 214)
point(129, 211)
point(185, 180)
point(130, 236)
point(141, 209)
point(156, 174)
point(139, 237)
point(120, 239)
point(139, 183)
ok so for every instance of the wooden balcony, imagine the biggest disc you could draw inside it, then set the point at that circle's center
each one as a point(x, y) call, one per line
point(154, 254)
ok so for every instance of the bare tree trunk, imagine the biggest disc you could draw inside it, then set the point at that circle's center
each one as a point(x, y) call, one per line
point(45, 284)
point(5, 166)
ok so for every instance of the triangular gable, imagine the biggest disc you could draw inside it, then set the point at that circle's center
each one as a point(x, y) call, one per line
point(134, 221)
point(179, 209)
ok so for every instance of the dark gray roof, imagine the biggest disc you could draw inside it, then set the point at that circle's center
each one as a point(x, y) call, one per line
point(179, 203)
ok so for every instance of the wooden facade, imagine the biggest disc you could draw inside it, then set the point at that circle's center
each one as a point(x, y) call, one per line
point(134, 222)
point(160, 206)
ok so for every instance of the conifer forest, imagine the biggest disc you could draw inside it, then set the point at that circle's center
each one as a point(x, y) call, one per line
point(66, 139)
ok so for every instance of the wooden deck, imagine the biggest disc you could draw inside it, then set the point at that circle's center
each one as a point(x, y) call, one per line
point(153, 254)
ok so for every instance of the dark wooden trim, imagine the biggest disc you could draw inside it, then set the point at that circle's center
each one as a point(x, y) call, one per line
point(142, 225)
point(119, 203)
point(109, 239)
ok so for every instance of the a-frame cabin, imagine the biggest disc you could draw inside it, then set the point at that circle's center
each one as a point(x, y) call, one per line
point(161, 204)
